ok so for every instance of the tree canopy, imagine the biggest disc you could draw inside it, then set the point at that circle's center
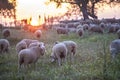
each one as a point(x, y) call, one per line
point(86, 6)
point(5, 4)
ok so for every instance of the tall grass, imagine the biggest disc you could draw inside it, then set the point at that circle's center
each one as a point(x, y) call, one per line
point(92, 60)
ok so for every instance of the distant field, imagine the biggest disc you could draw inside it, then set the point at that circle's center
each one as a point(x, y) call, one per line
point(92, 61)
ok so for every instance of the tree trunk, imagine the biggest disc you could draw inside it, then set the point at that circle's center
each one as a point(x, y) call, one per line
point(93, 12)
point(84, 12)
point(84, 9)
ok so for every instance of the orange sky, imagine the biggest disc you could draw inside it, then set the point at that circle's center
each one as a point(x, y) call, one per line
point(34, 8)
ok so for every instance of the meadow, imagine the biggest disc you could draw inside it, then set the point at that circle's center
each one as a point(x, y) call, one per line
point(92, 60)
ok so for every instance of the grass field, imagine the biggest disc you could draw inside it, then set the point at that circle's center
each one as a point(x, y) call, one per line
point(92, 61)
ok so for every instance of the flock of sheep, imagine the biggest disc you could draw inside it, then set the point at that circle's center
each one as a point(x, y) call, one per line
point(30, 50)
point(81, 28)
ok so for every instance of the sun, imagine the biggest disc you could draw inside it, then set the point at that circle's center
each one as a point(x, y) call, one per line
point(34, 23)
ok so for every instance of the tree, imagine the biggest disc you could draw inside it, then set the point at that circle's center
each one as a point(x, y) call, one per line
point(86, 6)
point(5, 4)
point(8, 7)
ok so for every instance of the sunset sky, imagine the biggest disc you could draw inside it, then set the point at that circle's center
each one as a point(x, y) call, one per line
point(34, 8)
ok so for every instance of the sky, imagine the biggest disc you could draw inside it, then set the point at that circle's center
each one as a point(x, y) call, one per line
point(34, 8)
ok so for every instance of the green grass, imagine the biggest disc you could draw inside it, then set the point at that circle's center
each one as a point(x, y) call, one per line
point(92, 60)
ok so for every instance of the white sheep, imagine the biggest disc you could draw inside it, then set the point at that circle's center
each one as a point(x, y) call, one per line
point(85, 26)
point(29, 41)
point(71, 47)
point(115, 48)
point(38, 33)
point(30, 55)
point(80, 31)
point(59, 52)
point(4, 45)
point(61, 30)
point(6, 33)
point(36, 44)
point(20, 46)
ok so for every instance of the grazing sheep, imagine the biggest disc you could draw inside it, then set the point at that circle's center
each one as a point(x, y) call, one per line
point(59, 52)
point(30, 55)
point(85, 27)
point(118, 33)
point(71, 47)
point(96, 28)
point(38, 33)
point(80, 32)
point(29, 41)
point(72, 30)
point(113, 28)
point(4, 45)
point(61, 30)
point(20, 46)
point(115, 48)
point(6, 33)
point(36, 44)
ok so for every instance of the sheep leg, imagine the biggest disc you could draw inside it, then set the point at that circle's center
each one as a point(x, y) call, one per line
point(65, 60)
point(59, 61)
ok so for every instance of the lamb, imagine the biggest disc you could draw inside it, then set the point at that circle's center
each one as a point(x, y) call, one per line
point(59, 52)
point(6, 33)
point(38, 33)
point(4, 45)
point(20, 46)
point(30, 55)
point(115, 48)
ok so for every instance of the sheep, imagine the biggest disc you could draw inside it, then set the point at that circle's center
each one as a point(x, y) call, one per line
point(80, 32)
point(30, 55)
point(72, 30)
point(29, 41)
point(61, 30)
point(71, 47)
point(115, 48)
point(6, 33)
point(36, 43)
point(113, 28)
point(59, 52)
point(20, 46)
point(102, 25)
point(85, 26)
point(4, 45)
point(38, 33)
point(118, 33)
point(96, 28)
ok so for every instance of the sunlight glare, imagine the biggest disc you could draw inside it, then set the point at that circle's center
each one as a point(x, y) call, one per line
point(34, 23)
point(34, 8)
